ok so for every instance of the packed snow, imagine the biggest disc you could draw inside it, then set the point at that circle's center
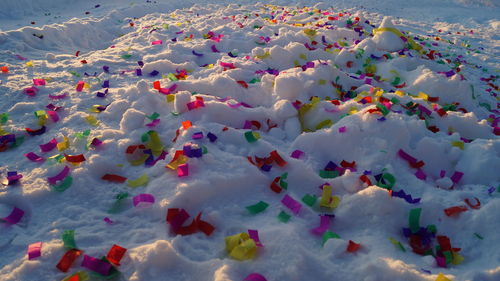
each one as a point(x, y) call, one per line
point(218, 141)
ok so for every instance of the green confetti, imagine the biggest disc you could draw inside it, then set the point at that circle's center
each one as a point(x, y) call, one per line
point(329, 235)
point(66, 183)
point(4, 117)
point(328, 174)
point(383, 109)
point(68, 238)
point(119, 204)
point(414, 220)
point(252, 136)
point(389, 181)
point(126, 56)
point(153, 116)
point(257, 208)
point(478, 236)
point(284, 217)
point(309, 200)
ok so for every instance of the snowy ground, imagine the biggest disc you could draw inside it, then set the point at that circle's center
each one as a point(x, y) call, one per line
point(356, 151)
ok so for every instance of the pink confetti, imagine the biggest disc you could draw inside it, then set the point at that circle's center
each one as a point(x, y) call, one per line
point(157, 42)
point(183, 170)
point(39, 82)
point(34, 250)
point(53, 115)
point(79, 86)
point(342, 129)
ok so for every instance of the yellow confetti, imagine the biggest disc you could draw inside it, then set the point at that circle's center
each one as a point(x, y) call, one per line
point(441, 277)
point(63, 145)
point(310, 32)
point(92, 120)
point(241, 246)
point(29, 63)
point(327, 200)
point(458, 144)
point(140, 181)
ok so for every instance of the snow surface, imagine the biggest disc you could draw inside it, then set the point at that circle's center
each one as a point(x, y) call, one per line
point(275, 69)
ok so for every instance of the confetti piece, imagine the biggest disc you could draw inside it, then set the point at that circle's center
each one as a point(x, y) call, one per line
point(64, 172)
point(115, 254)
point(34, 250)
point(255, 277)
point(96, 265)
point(68, 259)
point(143, 199)
point(254, 234)
point(441, 277)
point(257, 208)
point(65, 184)
point(183, 170)
point(68, 238)
point(241, 246)
point(291, 204)
point(79, 86)
point(140, 181)
point(114, 178)
point(252, 136)
point(297, 154)
point(329, 235)
point(452, 211)
point(34, 157)
point(283, 217)
point(323, 225)
point(74, 158)
point(353, 247)
point(414, 220)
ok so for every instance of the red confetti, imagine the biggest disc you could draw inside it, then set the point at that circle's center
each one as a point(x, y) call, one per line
point(353, 247)
point(455, 210)
point(68, 259)
point(115, 254)
point(114, 178)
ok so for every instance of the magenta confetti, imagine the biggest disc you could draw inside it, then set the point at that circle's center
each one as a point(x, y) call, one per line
point(255, 277)
point(420, 174)
point(157, 42)
point(19, 57)
point(254, 235)
point(58, 97)
point(34, 157)
point(214, 49)
point(143, 198)
point(297, 154)
point(153, 123)
point(39, 82)
point(15, 216)
point(456, 176)
point(31, 91)
point(34, 250)
point(60, 176)
point(48, 146)
point(323, 225)
point(96, 265)
point(53, 115)
point(108, 220)
point(292, 204)
point(342, 129)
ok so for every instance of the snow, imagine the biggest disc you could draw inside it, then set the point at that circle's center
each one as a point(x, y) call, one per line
point(260, 76)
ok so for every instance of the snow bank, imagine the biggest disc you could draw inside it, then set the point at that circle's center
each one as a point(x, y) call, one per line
point(220, 110)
